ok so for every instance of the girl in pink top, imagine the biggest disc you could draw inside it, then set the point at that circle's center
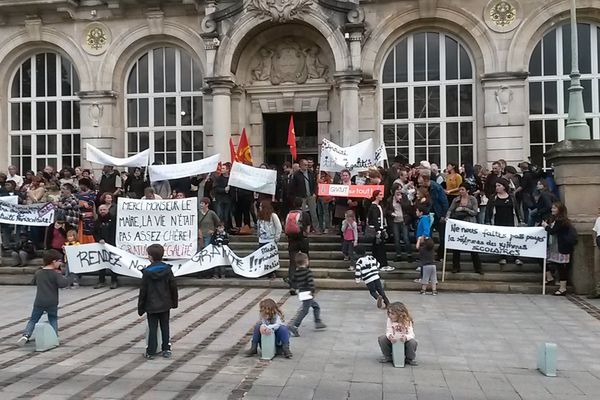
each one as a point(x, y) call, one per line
point(349, 234)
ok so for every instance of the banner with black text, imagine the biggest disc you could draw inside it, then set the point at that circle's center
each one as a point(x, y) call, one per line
point(29, 215)
point(94, 257)
point(501, 240)
point(356, 158)
point(170, 223)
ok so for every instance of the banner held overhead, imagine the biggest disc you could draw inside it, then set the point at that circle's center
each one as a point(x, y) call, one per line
point(251, 178)
point(174, 171)
point(96, 156)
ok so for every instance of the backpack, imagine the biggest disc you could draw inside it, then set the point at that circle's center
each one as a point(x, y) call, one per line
point(293, 223)
point(570, 238)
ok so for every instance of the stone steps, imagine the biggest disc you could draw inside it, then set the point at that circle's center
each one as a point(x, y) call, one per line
point(330, 271)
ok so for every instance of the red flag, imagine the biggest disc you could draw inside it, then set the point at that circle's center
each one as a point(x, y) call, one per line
point(243, 150)
point(232, 151)
point(291, 140)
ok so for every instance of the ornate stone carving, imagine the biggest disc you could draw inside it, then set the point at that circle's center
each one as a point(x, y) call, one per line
point(95, 111)
point(502, 15)
point(96, 38)
point(279, 10)
point(288, 60)
point(356, 16)
point(503, 97)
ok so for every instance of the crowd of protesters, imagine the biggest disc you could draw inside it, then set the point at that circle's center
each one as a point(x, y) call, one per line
point(86, 204)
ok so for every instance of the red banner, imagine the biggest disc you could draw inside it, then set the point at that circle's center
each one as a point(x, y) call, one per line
point(364, 191)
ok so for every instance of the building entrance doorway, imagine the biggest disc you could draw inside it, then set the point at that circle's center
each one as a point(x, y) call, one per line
point(276, 132)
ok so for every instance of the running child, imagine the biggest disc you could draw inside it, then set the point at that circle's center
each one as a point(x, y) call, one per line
point(271, 323)
point(48, 280)
point(305, 283)
point(367, 270)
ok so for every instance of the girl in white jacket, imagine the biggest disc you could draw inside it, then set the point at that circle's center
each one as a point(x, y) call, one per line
point(399, 328)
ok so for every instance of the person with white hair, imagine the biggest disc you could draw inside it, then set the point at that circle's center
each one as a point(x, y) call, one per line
point(13, 175)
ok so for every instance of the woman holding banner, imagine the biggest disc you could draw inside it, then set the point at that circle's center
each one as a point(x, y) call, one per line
point(376, 230)
point(464, 208)
point(501, 210)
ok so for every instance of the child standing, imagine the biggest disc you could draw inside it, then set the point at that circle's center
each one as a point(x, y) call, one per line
point(399, 328)
point(423, 229)
point(158, 294)
point(271, 323)
point(349, 234)
point(48, 280)
point(71, 241)
point(367, 270)
point(306, 291)
point(220, 238)
point(427, 263)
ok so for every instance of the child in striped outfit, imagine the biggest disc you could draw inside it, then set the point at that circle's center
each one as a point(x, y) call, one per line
point(367, 270)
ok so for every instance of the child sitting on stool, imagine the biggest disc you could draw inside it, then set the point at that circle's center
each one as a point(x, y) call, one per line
point(399, 328)
point(271, 323)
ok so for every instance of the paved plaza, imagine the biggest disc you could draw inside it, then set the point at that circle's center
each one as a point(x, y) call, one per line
point(471, 346)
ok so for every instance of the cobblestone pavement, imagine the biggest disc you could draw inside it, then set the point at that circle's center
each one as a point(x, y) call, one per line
point(471, 346)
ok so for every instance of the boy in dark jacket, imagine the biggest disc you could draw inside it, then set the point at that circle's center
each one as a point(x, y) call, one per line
point(48, 280)
point(305, 283)
point(158, 294)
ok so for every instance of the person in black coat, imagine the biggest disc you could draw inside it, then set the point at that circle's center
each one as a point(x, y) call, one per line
point(105, 231)
point(135, 185)
point(158, 294)
point(562, 238)
point(377, 223)
point(303, 186)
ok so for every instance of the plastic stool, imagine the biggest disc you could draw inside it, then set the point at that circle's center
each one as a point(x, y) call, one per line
point(158, 338)
point(45, 336)
point(546, 361)
point(267, 346)
point(398, 354)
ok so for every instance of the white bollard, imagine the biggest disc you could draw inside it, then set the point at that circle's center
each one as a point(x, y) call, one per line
point(267, 346)
point(546, 361)
point(158, 339)
point(398, 354)
point(45, 336)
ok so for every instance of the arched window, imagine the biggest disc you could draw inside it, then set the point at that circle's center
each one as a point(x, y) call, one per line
point(164, 106)
point(428, 101)
point(549, 69)
point(44, 114)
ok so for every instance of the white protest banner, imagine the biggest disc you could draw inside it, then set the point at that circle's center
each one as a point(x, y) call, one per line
point(380, 154)
point(174, 171)
point(355, 158)
point(505, 240)
point(94, 257)
point(10, 199)
point(251, 178)
point(261, 262)
point(171, 223)
point(30, 215)
point(96, 156)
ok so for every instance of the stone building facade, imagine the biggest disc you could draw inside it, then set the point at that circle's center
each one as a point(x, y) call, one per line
point(463, 81)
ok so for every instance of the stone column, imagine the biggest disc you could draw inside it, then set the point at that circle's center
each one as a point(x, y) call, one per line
point(505, 118)
point(221, 115)
point(97, 110)
point(347, 83)
point(577, 173)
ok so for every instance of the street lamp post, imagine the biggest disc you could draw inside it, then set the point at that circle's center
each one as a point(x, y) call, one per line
point(577, 127)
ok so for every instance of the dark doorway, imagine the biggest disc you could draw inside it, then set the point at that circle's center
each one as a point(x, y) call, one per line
point(276, 132)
